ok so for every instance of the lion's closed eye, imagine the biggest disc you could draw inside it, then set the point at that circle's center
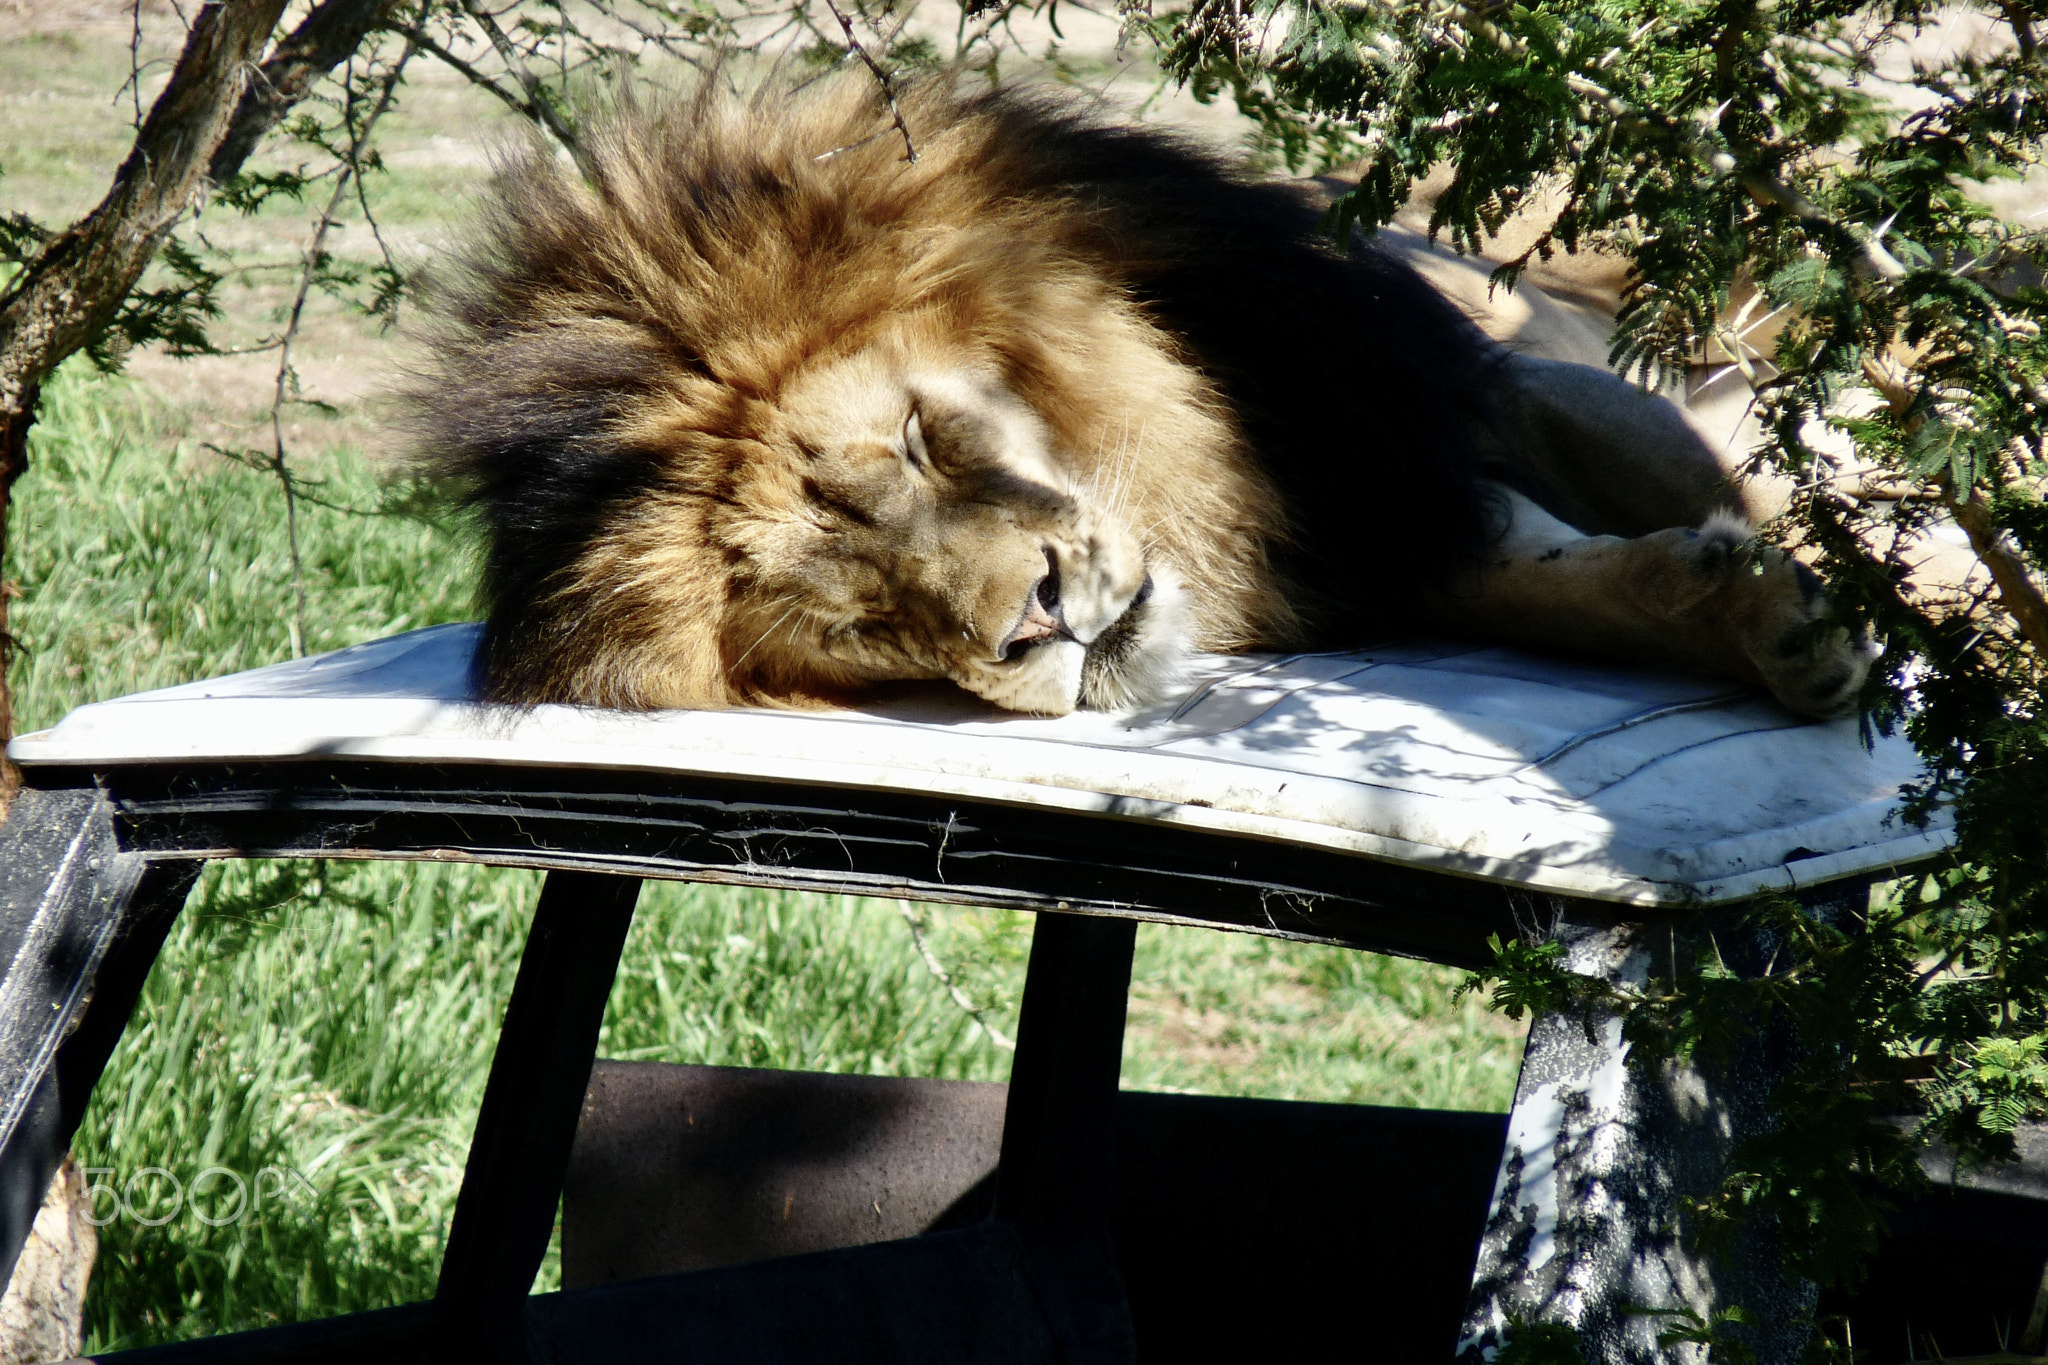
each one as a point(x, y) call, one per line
point(914, 448)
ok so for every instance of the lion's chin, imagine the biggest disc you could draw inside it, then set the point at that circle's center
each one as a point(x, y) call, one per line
point(1142, 658)
point(1045, 682)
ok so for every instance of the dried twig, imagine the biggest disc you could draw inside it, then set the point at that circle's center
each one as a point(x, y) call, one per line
point(915, 920)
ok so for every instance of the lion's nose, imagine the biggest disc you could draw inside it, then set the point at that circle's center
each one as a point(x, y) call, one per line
point(1043, 618)
point(1046, 596)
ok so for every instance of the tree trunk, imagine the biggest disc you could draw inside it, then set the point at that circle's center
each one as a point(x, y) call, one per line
point(75, 284)
point(13, 461)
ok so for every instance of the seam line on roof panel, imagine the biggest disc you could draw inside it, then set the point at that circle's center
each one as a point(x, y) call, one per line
point(480, 715)
point(1673, 753)
point(1209, 687)
point(1629, 722)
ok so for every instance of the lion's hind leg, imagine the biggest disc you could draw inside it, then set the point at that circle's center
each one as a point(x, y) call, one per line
point(1710, 598)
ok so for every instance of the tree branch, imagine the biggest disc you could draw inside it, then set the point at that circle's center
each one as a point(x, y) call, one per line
point(2022, 28)
point(2018, 593)
point(287, 377)
point(74, 285)
point(469, 72)
point(915, 920)
point(881, 77)
point(321, 42)
point(13, 461)
point(540, 105)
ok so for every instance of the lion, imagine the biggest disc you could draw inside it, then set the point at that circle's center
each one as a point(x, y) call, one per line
point(773, 401)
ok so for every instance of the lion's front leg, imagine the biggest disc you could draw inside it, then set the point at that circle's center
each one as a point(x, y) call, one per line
point(1711, 598)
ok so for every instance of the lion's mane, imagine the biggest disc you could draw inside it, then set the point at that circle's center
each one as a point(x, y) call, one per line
point(614, 337)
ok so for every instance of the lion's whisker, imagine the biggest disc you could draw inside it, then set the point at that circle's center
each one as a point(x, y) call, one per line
point(1130, 465)
point(1116, 479)
point(1100, 474)
point(762, 638)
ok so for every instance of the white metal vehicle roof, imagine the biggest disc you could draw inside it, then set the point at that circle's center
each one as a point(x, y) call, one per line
point(1636, 787)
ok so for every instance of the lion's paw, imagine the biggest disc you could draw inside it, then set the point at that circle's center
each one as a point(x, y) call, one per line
point(1764, 602)
point(1679, 570)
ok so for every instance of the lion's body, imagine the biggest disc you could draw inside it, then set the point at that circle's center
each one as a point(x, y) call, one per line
point(764, 412)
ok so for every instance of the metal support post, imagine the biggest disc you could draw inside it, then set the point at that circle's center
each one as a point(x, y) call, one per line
point(1587, 1227)
point(1054, 1180)
point(80, 925)
point(505, 1211)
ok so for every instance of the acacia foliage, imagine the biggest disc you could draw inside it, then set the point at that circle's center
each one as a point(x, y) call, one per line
point(1744, 157)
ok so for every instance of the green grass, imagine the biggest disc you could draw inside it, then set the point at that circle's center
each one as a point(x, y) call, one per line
point(334, 1021)
point(144, 562)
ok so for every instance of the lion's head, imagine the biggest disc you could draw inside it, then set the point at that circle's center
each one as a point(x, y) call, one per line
point(922, 523)
point(896, 513)
point(762, 412)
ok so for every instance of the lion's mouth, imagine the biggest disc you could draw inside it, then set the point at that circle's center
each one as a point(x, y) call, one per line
point(1134, 661)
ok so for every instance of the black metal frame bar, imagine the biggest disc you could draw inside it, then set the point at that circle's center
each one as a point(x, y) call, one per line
point(1037, 1281)
point(1053, 1178)
point(505, 1210)
point(930, 848)
point(80, 923)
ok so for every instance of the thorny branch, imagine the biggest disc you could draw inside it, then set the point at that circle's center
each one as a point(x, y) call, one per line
point(540, 101)
point(913, 918)
point(287, 383)
point(882, 77)
point(328, 35)
point(133, 87)
point(418, 34)
point(74, 286)
point(667, 42)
